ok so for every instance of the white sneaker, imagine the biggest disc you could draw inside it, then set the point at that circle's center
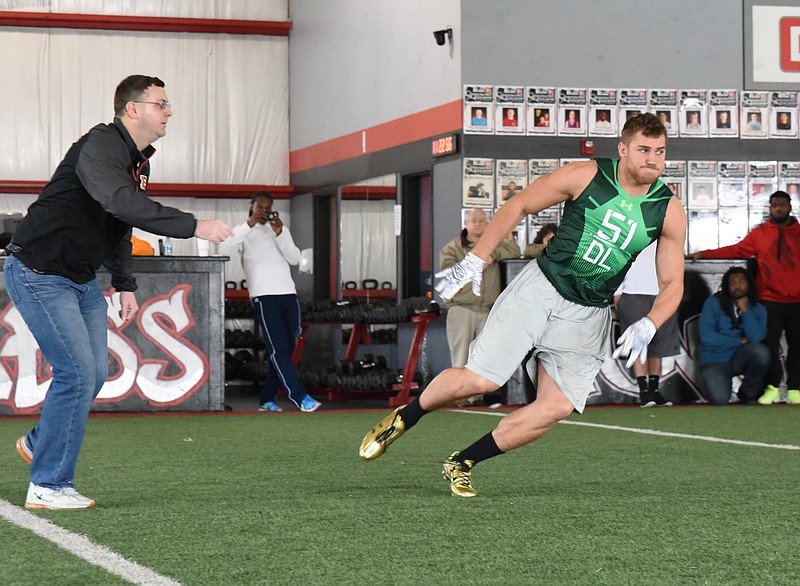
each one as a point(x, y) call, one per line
point(65, 497)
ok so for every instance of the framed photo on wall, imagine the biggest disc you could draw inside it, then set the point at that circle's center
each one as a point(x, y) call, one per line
point(478, 183)
point(693, 114)
point(512, 177)
point(754, 115)
point(631, 102)
point(572, 112)
point(478, 109)
point(664, 104)
point(723, 113)
point(783, 115)
point(541, 118)
point(509, 110)
point(603, 115)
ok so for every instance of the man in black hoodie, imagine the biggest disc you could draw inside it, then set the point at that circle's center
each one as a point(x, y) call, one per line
point(81, 220)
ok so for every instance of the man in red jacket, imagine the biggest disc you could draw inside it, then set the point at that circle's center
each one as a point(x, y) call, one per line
point(775, 244)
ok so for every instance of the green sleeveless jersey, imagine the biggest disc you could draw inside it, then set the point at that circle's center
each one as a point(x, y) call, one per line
point(601, 233)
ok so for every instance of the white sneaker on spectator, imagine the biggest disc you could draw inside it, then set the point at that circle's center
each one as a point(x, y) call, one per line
point(66, 497)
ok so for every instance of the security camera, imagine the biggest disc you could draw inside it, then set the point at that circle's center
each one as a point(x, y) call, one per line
point(443, 35)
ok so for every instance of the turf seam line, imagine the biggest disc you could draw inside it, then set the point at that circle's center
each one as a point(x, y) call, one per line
point(83, 547)
point(705, 438)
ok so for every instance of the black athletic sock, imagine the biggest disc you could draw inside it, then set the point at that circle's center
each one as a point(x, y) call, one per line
point(642, 381)
point(652, 383)
point(481, 450)
point(412, 413)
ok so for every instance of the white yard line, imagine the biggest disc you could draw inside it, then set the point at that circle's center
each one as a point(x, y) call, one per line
point(704, 438)
point(83, 547)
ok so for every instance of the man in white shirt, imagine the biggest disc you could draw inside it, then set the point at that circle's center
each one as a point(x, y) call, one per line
point(267, 250)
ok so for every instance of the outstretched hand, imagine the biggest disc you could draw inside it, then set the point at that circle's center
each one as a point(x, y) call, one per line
point(214, 230)
point(453, 279)
point(634, 341)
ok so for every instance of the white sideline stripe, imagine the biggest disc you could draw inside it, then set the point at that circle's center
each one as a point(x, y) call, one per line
point(84, 547)
point(705, 438)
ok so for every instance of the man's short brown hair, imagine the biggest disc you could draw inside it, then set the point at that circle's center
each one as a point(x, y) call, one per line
point(647, 123)
point(132, 88)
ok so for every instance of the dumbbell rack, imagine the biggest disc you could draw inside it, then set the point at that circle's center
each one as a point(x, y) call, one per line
point(400, 393)
point(255, 345)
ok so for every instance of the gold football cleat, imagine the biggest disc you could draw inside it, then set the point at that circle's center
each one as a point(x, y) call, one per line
point(381, 436)
point(460, 477)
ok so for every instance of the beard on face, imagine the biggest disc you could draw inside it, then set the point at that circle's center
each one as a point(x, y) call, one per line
point(779, 218)
point(738, 293)
point(642, 174)
point(646, 175)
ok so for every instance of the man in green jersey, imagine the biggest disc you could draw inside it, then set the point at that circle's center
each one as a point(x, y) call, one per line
point(559, 305)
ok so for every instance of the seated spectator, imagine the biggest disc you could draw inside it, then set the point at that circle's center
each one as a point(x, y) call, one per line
point(544, 235)
point(732, 325)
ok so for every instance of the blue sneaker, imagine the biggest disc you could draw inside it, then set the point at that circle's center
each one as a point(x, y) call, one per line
point(309, 404)
point(270, 406)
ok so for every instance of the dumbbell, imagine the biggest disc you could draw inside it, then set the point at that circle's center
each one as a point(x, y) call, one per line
point(254, 370)
point(367, 363)
point(243, 356)
point(232, 367)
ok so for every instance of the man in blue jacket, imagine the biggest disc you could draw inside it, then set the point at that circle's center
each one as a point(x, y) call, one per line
point(732, 326)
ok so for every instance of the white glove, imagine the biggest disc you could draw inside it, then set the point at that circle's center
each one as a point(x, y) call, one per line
point(634, 341)
point(455, 277)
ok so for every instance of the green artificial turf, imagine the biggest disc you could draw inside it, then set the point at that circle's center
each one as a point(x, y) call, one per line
point(284, 499)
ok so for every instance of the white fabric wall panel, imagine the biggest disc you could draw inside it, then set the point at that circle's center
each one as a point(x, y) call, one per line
point(233, 9)
point(15, 204)
point(367, 242)
point(230, 96)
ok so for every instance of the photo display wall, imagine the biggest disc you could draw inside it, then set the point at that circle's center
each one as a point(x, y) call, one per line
point(723, 200)
point(596, 112)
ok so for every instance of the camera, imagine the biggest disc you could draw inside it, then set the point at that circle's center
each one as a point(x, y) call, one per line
point(271, 216)
point(443, 36)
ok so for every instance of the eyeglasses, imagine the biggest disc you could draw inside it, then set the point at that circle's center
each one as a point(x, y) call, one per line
point(162, 105)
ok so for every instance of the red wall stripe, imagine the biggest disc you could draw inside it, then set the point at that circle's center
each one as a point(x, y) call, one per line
point(375, 192)
point(144, 23)
point(425, 124)
point(207, 190)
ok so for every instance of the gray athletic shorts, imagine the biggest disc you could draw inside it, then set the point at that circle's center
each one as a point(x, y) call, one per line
point(666, 342)
point(570, 340)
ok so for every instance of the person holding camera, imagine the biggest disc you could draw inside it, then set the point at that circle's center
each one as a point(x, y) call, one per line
point(267, 250)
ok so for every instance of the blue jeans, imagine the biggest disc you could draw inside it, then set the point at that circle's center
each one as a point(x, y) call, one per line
point(69, 322)
point(751, 360)
point(279, 318)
